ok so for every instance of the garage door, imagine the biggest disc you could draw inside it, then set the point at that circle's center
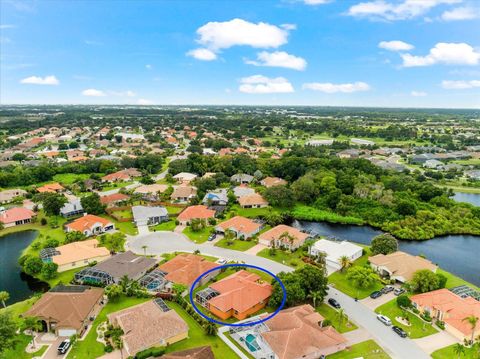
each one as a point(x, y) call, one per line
point(66, 332)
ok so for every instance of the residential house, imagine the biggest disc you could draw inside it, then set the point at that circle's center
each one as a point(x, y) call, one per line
point(51, 188)
point(122, 176)
point(151, 192)
point(242, 191)
point(317, 143)
point(75, 254)
point(72, 208)
point(273, 181)
point(241, 226)
point(253, 201)
point(183, 194)
point(362, 142)
point(242, 178)
point(238, 295)
point(15, 216)
point(334, 250)
point(90, 225)
point(185, 177)
point(219, 197)
point(400, 266)
point(195, 212)
point(149, 216)
point(433, 164)
point(67, 310)
point(283, 236)
point(10, 194)
point(114, 199)
point(452, 309)
point(349, 153)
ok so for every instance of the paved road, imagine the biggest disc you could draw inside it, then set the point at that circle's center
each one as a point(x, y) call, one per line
point(168, 242)
point(116, 190)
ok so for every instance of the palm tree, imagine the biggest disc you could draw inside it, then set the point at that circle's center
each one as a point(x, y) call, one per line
point(345, 263)
point(210, 328)
point(33, 325)
point(472, 320)
point(459, 349)
point(124, 283)
point(4, 296)
point(144, 247)
point(315, 295)
point(341, 316)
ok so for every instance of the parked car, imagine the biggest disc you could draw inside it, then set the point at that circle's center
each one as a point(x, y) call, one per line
point(222, 261)
point(376, 294)
point(385, 320)
point(399, 331)
point(63, 347)
point(212, 237)
point(334, 303)
point(398, 291)
point(387, 289)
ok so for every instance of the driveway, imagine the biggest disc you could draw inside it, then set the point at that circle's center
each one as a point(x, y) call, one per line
point(436, 341)
point(52, 352)
point(254, 250)
point(374, 303)
point(357, 336)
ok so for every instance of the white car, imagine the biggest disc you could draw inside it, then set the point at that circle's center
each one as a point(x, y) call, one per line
point(222, 261)
point(385, 320)
point(63, 347)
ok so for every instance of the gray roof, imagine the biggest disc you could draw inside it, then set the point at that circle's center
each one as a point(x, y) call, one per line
point(127, 263)
point(240, 191)
point(72, 206)
point(143, 213)
point(242, 177)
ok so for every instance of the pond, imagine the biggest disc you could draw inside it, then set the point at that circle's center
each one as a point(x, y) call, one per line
point(472, 198)
point(20, 285)
point(457, 254)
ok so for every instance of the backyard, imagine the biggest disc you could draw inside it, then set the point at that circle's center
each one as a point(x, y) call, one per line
point(165, 226)
point(292, 259)
point(367, 350)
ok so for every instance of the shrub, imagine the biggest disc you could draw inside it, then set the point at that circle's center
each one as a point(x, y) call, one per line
point(108, 348)
point(403, 301)
point(43, 221)
point(441, 324)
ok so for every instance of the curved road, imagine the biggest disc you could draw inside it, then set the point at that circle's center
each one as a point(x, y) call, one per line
point(167, 242)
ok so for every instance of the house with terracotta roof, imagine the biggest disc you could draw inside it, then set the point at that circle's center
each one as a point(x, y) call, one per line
point(114, 199)
point(147, 325)
point(122, 176)
point(450, 308)
point(67, 310)
point(195, 212)
point(90, 225)
point(75, 255)
point(238, 295)
point(283, 236)
point(183, 194)
point(252, 201)
point(51, 188)
point(16, 216)
point(273, 181)
point(400, 266)
point(241, 226)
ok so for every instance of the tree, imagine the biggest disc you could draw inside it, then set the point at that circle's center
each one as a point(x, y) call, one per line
point(4, 296)
point(52, 203)
point(424, 281)
point(91, 204)
point(280, 196)
point(362, 277)
point(33, 325)
point(49, 270)
point(472, 320)
point(210, 328)
point(403, 301)
point(178, 289)
point(345, 263)
point(316, 295)
point(124, 283)
point(8, 330)
point(384, 244)
point(32, 265)
point(74, 236)
point(114, 242)
point(341, 316)
point(459, 349)
point(113, 292)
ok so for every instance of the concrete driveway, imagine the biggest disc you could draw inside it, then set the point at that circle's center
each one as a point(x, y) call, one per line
point(374, 303)
point(254, 250)
point(436, 341)
point(52, 352)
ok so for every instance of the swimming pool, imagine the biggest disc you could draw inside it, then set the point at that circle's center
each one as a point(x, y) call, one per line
point(251, 342)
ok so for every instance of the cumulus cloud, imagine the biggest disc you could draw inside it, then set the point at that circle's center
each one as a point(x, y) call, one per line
point(258, 84)
point(142, 101)
point(93, 93)
point(444, 53)
point(279, 59)
point(395, 45)
point(38, 80)
point(392, 11)
point(328, 87)
point(460, 85)
point(460, 13)
point(418, 93)
point(316, 2)
point(202, 54)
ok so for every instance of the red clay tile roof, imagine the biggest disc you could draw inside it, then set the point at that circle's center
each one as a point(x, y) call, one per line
point(194, 212)
point(240, 223)
point(16, 214)
point(276, 232)
point(185, 268)
point(50, 187)
point(86, 223)
point(112, 198)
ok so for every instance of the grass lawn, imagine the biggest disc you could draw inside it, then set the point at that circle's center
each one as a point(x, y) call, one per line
point(417, 329)
point(330, 313)
point(111, 186)
point(454, 281)
point(18, 352)
point(125, 227)
point(291, 259)
point(165, 226)
point(64, 277)
point(200, 236)
point(251, 212)
point(16, 309)
point(197, 337)
point(70, 178)
point(367, 350)
point(169, 256)
point(89, 347)
point(174, 210)
point(449, 353)
point(124, 214)
point(237, 244)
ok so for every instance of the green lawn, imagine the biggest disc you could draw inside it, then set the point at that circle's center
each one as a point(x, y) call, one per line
point(237, 244)
point(251, 212)
point(89, 347)
point(64, 277)
point(174, 210)
point(291, 259)
point(417, 329)
point(18, 352)
point(198, 237)
point(125, 227)
point(449, 353)
point(197, 337)
point(70, 178)
point(367, 350)
point(454, 281)
point(111, 186)
point(16, 309)
point(124, 214)
point(165, 226)
point(330, 313)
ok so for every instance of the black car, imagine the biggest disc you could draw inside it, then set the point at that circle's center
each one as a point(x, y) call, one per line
point(399, 331)
point(387, 289)
point(334, 303)
point(376, 294)
point(212, 237)
point(63, 347)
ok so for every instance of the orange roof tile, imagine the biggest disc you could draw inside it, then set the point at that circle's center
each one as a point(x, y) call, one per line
point(112, 198)
point(241, 224)
point(185, 268)
point(50, 187)
point(252, 199)
point(79, 251)
point(193, 212)
point(276, 232)
point(87, 222)
point(16, 214)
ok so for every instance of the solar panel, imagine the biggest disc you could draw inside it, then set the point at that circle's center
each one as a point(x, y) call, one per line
point(163, 306)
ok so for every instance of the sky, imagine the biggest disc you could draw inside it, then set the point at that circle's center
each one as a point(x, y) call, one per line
point(382, 53)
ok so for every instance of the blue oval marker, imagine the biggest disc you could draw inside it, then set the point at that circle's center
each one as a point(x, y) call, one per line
point(284, 298)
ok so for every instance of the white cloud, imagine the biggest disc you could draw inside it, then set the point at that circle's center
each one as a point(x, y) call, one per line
point(279, 59)
point(289, 27)
point(93, 93)
point(202, 54)
point(444, 53)
point(258, 84)
point(37, 80)
point(7, 26)
point(316, 2)
point(406, 9)
point(460, 85)
point(461, 13)
point(148, 66)
point(142, 101)
point(418, 93)
point(333, 88)
point(127, 93)
point(395, 45)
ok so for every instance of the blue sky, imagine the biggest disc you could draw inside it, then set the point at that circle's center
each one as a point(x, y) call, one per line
point(407, 53)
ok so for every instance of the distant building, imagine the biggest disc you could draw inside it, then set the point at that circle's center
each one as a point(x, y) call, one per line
point(242, 178)
point(362, 142)
point(72, 208)
point(90, 225)
point(122, 176)
point(253, 201)
point(114, 199)
point(15, 216)
point(185, 177)
point(9, 195)
point(183, 194)
point(51, 188)
point(218, 197)
point(241, 226)
point(335, 250)
point(273, 181)
point(195, 212)
point(283, 236)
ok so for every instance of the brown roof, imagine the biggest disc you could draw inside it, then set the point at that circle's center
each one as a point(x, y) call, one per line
point(402, 264)
point(68, 309)
point(79, 251)
point(183, 192)
point(241, 224)
point(276, 232)
point(127, 263)
point(185, 268)
point(194, 353)
point(50, 187)
point(151, 188)
point(146, 325)
point(296, 333)
point(87, 222)
point(273, 181)
point(112, 198)
point(252, 199)
point(193, 212)
point(124, 175)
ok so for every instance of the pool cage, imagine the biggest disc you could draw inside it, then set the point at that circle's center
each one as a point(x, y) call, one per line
point(203, 296)
point(465, 291)
point(249, 337)
point(163, 306)
point(93, 276)
point(46, 254)
point(154, 281)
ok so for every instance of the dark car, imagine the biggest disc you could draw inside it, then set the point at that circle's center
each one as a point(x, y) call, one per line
point(212, 237)
point(387, 289)
point(334, 303)
point(376, 294)
point(399, 331)
point(63, 347)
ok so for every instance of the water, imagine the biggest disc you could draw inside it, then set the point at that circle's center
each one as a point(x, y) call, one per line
point(20, 285)
point(473, 198)
point(457, 254)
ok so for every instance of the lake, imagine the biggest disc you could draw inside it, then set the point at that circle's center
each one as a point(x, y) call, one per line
point(473, 198)
point(457, 254)
point(20, 285)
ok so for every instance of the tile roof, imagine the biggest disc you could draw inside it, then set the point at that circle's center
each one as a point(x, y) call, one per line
point(402, 264)
point(252, 199)
point(112, 198)
point(240, 224)
point(193, 212)
point(127, 263)
point(185, 268)
point(276, 232)
point(273, 181)
point(50, 187)
point(183, 192)
point(87, 222)
point(125, 175)
point(151, 188)
point(79, 251)
point(16, 214)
